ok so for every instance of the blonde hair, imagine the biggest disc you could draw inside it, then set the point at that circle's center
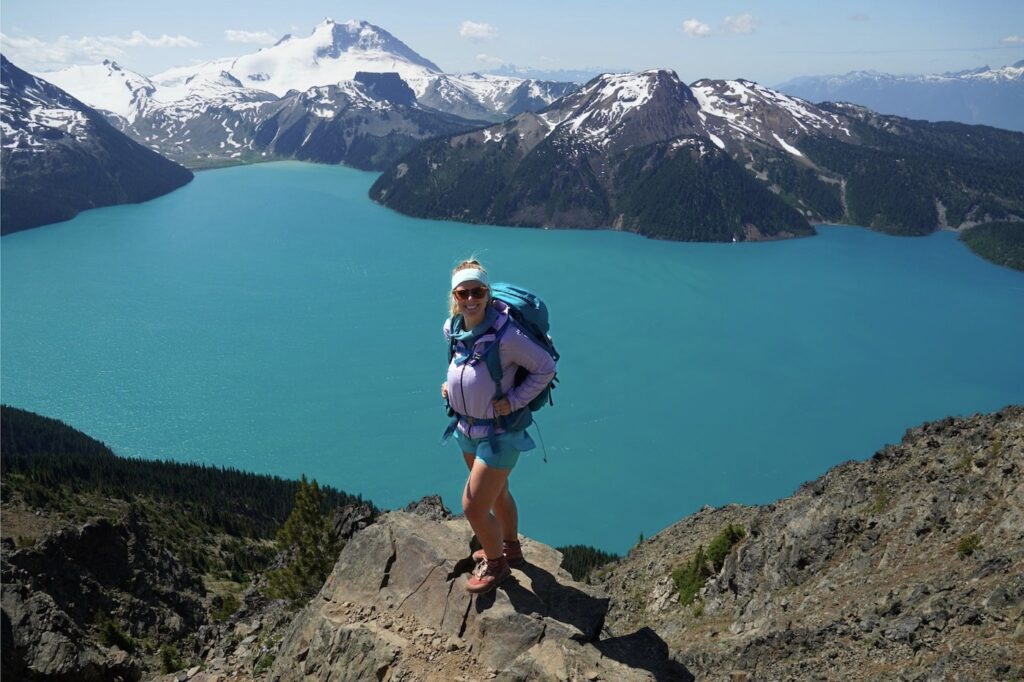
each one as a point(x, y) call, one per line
point(466, 264)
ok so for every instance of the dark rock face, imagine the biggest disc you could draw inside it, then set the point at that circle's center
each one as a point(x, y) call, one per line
point(865, 573)
point(57, 591)
point(430, 507)
point(351, 125)
point(350, 518)
point(395, 608)
point(388, 86)
point(61, 157)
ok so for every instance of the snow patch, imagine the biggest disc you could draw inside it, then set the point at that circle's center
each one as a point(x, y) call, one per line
point(788, 147)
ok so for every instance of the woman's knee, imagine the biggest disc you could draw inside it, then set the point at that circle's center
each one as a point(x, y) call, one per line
point(474, 508)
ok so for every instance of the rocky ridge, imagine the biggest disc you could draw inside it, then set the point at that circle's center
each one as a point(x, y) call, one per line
point(909, 565)
point(56, 591)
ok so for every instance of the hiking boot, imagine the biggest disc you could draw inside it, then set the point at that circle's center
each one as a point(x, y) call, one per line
point(487, 575)
point(512, 550)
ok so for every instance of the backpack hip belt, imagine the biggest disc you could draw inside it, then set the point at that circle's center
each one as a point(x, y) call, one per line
point(517, 420)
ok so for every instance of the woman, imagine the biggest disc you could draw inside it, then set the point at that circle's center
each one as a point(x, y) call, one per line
point(486, 429)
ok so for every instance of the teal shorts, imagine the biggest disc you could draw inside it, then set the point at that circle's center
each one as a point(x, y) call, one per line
point(510, 444)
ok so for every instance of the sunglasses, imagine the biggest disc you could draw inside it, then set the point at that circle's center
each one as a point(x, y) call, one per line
point(466, 294)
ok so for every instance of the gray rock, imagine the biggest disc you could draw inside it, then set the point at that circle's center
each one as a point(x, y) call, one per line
point(406, 565)
point(40, 641)
point(431, 507)
point(903, 629)
point(351, 518)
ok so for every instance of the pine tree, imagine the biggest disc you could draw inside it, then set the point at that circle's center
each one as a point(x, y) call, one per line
point(308, 541)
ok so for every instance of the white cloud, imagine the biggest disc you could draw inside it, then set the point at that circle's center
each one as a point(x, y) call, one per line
point(257, 37)
point(477, 31)
point(139, 38)
point(860, 16)
point(35, 54)
point(697, 29)
point(489, 60)
point(1013, 40)
point(743, 23)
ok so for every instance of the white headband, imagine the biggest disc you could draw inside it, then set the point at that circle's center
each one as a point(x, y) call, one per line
point(467, 275)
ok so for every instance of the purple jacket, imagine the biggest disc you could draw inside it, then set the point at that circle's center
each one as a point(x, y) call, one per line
point(470, 387)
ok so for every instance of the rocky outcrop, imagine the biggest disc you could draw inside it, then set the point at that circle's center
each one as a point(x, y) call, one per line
point(395, 608)
point(59, 593)
point(907, 566)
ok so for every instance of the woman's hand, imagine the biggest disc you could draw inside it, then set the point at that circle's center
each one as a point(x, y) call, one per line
point(444, 390)
point(501, 407)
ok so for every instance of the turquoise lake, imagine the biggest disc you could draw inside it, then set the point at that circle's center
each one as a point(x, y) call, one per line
point(272, 318)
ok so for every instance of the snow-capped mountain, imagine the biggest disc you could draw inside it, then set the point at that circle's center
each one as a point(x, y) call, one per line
point(992, 96)
point(615, 112)
point(363, 123)
point(717, 160)
point(487, 97)
point(333, 52)
point(106, 86)
point(60, 156)
point(742, 111)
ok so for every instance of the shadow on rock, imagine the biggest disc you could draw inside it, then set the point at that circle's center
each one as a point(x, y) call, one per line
point(545, 596)
point(645, 650)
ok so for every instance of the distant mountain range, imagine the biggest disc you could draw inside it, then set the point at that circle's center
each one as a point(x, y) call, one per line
point(713, 161)
point(644, 152)
point(560, 75)
point(60, 157)
point(985, 95)
point(220, 112)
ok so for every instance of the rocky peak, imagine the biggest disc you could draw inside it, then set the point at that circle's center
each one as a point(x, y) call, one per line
point(395, 608)
point(36, 114)
point(336, 39)
point(616, 111)
point(741, 111)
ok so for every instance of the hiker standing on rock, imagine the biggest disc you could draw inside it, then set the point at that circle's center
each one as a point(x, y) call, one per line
point(490, 415)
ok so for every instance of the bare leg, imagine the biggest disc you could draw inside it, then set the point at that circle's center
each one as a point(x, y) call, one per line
point(505, 509)
point(482, 490)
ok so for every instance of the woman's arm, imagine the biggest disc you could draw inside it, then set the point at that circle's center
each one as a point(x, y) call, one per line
point(520, 350)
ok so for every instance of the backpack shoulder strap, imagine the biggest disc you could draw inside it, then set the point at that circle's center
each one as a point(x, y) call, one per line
point(492, 357)
point(452, 322)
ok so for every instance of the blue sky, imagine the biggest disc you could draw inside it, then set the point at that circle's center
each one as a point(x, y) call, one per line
point(765, 41)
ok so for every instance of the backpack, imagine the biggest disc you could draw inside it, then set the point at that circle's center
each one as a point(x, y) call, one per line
point(528, 313)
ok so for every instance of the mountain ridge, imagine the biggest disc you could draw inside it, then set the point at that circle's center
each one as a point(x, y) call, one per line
point(61, 157)
point(586, 159)
point(984, 95)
